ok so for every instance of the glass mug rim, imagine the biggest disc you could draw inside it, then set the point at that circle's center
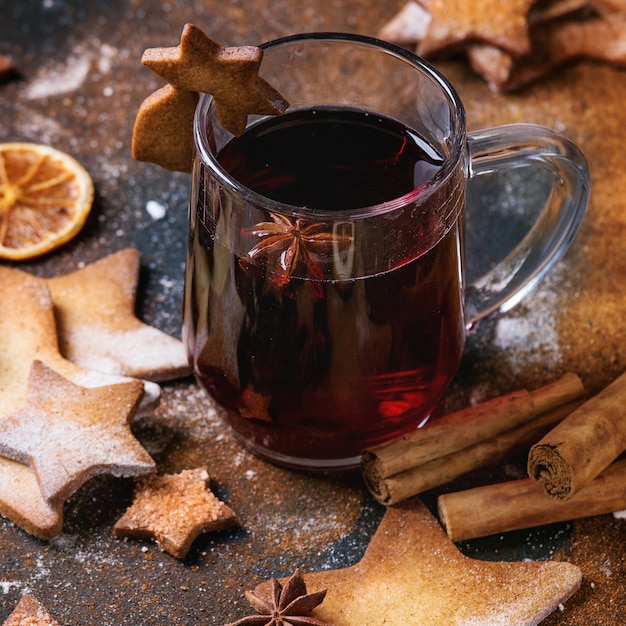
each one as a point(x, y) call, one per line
point(450, 161)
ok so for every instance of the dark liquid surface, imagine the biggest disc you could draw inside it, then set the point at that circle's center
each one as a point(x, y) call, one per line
point(316, 367)
point(330, 159)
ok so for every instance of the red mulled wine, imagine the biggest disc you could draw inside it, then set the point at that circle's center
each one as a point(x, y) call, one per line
point(314, 358)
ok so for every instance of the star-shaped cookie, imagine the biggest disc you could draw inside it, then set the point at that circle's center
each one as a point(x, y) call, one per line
point(454, 23)
point(94, 308)
point(230, 75)
point(30, 612)
point(69, 433)
point(174, 509)
point(28, 332)
point(554, 44)
point(412, 574)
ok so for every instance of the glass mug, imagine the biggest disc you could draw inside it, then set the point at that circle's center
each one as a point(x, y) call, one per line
point(325, 301)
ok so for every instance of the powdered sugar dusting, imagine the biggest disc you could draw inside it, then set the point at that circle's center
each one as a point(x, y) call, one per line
point(41, 572)
point(107, 54)
point(142, 352)
point(534, 335)
point(6, 586)
point(59, 79)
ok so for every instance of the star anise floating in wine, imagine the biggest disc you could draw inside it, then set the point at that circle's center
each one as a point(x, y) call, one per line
point(288, 605)
point(292, 243)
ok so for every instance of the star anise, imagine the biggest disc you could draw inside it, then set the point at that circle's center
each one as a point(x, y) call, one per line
point(290, 605)
point(292, 243)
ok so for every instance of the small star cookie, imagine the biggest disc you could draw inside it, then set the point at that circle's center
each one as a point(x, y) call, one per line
point(174, 509)
point(230, 75)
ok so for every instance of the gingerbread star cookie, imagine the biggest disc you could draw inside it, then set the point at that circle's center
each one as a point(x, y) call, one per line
point(30, 612)
point(94, 309)
point(599, 37)
point(528, 40)
point(174, 509)
point(412, 23)
point(230, 75)
point(163, 131)
point(411, 573)
point(455, 22)
point(68, 433)
point(28, 331)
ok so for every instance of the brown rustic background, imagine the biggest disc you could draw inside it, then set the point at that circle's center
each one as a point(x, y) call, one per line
point(81, 84)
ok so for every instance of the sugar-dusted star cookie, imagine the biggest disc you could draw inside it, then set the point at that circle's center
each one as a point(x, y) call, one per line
point(163, 130)
point(412, 574)
point(28, 332)
point(174, 509)
point(94, 309)
point(454, 23)
point(68, 433)
point(30, 612)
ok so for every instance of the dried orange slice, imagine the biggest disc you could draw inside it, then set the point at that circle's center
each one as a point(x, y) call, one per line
point(45, 198)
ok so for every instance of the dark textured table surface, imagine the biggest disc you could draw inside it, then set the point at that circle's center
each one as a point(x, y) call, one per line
point(81, 82)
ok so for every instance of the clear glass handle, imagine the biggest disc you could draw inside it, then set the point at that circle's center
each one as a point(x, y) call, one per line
point(522, 145)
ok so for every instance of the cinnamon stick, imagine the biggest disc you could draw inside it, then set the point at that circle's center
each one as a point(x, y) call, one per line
point(466, 428)
point(519, 504)
point(582, 445)
point(415, 480)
